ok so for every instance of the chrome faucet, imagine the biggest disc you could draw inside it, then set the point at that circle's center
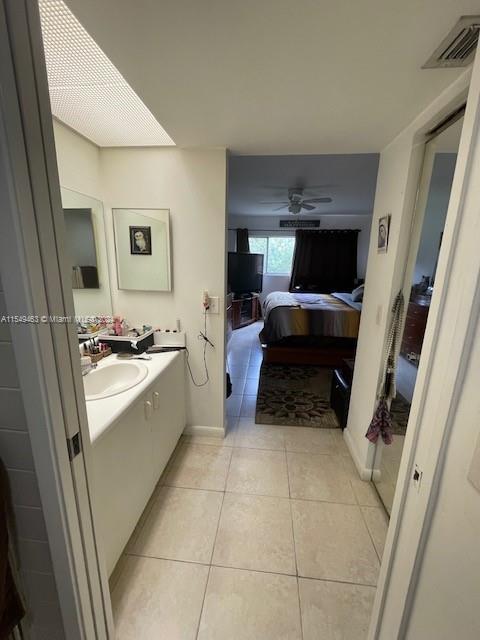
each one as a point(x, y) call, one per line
point(86, 368)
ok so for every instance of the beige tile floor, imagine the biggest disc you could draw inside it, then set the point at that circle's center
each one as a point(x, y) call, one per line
point(267, 534)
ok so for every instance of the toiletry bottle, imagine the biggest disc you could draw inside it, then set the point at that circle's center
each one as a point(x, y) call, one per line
point(117, 325)
point(125, 327)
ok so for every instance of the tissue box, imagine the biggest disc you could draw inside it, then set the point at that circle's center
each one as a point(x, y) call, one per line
point(170, 338)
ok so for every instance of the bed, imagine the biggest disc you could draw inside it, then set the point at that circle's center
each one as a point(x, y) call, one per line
point(306, 328)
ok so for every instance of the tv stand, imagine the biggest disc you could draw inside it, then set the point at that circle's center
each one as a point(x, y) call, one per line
point(243, 296)
point(245, 309)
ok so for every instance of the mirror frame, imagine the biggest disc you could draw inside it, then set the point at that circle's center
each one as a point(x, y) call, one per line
point(168, 242)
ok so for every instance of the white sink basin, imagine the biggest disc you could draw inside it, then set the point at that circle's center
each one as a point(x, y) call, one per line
point(113, 378)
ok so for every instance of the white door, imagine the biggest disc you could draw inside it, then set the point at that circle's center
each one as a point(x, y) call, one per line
point(36, 282)
point(446, 353)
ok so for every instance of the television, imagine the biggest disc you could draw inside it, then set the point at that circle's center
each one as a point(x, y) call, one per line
point(245, 272)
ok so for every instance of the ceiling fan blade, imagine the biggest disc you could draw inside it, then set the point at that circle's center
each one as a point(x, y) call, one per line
point(325, 199)
point(308, 207)
point(284, 206)
point(274, 202)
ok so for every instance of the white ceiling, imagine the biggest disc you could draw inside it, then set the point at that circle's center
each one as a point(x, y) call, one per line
point(278, 76)
point(348, 179)
point(87, 92)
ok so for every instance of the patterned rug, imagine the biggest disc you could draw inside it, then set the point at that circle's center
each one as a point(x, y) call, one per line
point(400, 410)
point(296, 396)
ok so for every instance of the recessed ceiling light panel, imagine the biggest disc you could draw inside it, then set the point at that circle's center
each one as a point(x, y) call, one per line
point(87, 92)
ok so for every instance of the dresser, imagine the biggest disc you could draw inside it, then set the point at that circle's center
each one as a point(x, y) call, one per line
point(415, 324)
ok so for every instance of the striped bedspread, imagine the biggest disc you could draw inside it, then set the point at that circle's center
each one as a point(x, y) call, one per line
point(305, 314)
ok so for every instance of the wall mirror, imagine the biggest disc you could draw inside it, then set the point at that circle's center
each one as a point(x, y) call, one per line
point(81, 248)
point(87, 253)
point(142, 247)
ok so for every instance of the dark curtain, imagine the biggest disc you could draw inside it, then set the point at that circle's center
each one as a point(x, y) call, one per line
point(324, 261)
point(243, 246)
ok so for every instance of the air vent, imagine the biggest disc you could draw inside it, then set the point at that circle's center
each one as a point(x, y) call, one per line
point(458, 48)
point(299, 224)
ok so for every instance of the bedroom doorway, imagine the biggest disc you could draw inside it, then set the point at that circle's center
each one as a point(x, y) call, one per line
point(291, 352)
point(426, 239)
point(302, 225)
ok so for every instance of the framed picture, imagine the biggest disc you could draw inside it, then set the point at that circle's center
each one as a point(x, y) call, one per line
point(141, 241)
point(383, 232)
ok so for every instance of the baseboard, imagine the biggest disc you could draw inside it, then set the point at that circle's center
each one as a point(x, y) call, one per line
point(197, 430)
point(364, 472)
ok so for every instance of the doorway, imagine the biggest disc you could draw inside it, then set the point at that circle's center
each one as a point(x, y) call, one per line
point(419, 282)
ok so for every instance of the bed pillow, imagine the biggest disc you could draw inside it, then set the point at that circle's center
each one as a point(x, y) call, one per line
point(357, 294)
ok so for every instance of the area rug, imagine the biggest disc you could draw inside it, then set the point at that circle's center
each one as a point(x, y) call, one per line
point(296, 396)
point(400, 410)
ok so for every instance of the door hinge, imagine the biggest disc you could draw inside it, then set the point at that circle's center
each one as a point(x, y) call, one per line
point(74, 446)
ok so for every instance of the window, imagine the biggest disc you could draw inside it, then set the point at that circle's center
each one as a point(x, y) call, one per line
point(277, 251)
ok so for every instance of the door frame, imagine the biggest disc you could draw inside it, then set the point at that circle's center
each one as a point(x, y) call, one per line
point(36, 282)
point(449, 335)
point(32, 266)
point(416, 229)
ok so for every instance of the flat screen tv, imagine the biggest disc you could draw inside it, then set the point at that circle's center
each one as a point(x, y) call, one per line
point(245, 272)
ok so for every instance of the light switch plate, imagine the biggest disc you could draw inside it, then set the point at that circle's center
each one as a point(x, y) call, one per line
point(214, 304)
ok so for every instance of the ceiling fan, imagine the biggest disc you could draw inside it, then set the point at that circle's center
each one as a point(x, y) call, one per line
point(296, 202)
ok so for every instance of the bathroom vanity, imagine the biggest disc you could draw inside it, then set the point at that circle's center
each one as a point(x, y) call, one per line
point(133, 434)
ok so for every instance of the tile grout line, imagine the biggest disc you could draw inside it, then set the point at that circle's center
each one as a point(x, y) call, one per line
point(262, 571)
point(265, 495)
point(370, 535)
point(213, 546)
point(360, 507)
point(238, 418)
point(203, 602)
point(221, 510)
point(294, 547)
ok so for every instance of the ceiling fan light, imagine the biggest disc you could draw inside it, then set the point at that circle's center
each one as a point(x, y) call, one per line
point(295, 208)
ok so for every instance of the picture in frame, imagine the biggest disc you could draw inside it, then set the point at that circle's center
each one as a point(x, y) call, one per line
point(383, 233)
point(142, 232)
point(140, 241)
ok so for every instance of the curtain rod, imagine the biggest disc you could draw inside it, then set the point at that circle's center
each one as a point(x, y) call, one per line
point(293, 229)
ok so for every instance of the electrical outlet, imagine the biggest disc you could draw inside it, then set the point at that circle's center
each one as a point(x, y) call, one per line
point(214, 304)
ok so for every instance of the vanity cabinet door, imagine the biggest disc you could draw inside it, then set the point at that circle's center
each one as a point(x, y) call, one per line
point(123, 483)
point(129, 459)
point(168, 418)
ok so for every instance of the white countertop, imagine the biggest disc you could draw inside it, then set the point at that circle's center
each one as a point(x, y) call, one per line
point(103, 413)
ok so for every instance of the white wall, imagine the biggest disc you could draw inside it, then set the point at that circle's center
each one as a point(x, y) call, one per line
point(274, 283)
point(192, 184)
point(399, 169)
